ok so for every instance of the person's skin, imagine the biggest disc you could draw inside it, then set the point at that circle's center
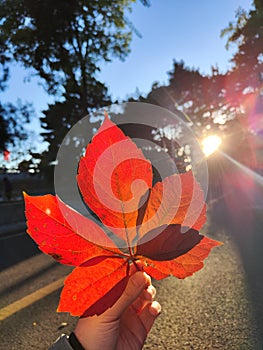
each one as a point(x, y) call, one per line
point(126, 324)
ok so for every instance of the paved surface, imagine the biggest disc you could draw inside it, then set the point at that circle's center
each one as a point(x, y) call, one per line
point(12, 212)
point(214, 309)
point(220, 307)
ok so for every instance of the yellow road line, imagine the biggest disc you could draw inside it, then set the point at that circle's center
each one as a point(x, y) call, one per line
point(29, 299)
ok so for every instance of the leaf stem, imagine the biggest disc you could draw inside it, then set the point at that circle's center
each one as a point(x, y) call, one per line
point(129, 247)
point(136, 265)
point(127, 233)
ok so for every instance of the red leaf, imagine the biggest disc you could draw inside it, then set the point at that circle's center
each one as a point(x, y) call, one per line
point(108, 299)
point(86, 286)
point(115, 180)
point(167, 242)
point(184, 265)
point(112, 177)
point(177, 200)
point(48, 227)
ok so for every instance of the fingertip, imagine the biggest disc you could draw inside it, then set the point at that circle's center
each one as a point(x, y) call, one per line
point(155, 309)
point(151, 291)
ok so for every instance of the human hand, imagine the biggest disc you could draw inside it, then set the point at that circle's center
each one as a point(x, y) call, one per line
point(126, 324)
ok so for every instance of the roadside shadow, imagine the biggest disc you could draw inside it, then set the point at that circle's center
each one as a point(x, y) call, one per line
point(16, 248)
point(26, 281)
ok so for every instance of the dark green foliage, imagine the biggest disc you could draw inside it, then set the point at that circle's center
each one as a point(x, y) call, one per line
point(12, 121)
point(65, 42)
point(197, 97)
point(247, 33)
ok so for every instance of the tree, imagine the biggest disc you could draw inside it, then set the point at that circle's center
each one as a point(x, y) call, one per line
point(202, 103)
point(229, 103)
point(199, 98)
point(65, 42)
point(10, 115)
point(12, 121)
point(246, 78)
point(247, 33)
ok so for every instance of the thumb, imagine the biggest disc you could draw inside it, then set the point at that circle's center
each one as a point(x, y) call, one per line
point(136, 284)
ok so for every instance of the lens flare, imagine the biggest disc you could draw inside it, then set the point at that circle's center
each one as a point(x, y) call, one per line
point(210, 144)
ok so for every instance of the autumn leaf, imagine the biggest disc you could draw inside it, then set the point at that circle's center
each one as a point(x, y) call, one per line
point(111, 197)
point(48, 227)
point(156, 227)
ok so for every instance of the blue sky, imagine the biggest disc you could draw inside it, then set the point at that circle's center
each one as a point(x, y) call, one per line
point(186, 30)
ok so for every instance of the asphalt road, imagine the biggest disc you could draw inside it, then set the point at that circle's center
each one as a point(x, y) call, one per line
point(15, 247)
point(220, 307)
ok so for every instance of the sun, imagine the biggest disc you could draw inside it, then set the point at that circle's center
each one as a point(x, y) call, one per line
point(210, 144)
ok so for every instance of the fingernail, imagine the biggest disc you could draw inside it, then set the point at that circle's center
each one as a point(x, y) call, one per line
point(155, 308)
point(151, 290)
point(148, 278)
